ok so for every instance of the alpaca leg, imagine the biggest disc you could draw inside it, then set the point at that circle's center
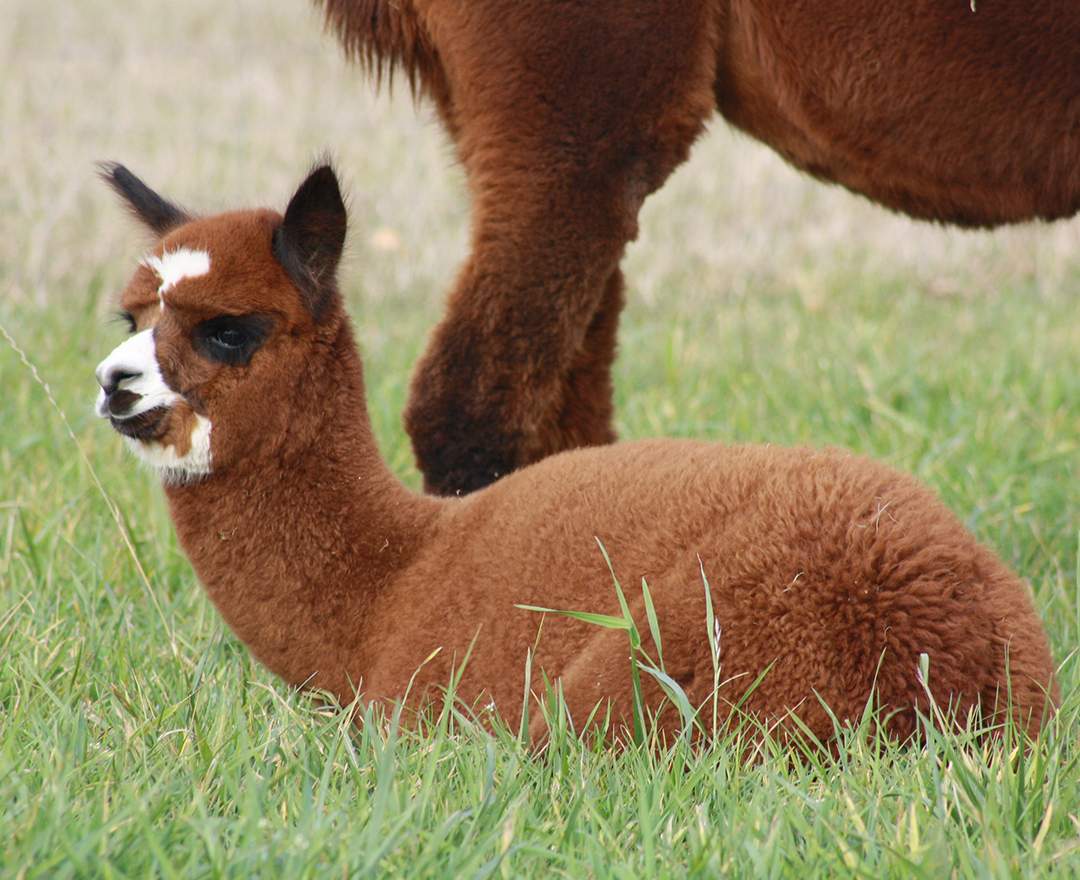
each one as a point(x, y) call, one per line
point(584, 418)
point(519, 368)
point(493, 376)
point(562, 137)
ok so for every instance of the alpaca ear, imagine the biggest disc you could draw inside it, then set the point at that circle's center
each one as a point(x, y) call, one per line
point(158, 213)
point(309, 241)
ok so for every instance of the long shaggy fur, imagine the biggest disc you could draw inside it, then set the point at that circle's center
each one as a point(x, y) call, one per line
point(382, 35)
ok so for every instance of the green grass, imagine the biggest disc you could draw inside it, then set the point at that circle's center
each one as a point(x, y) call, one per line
point(139, 741)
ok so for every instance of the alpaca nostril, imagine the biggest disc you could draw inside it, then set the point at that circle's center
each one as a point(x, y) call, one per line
point(110, 382)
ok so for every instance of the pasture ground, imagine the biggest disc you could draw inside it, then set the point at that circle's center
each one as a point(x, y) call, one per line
point(137, 738)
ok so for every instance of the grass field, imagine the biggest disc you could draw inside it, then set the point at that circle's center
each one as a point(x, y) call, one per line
point(137, 738)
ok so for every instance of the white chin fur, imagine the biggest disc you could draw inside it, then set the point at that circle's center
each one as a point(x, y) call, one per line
point(176, 469)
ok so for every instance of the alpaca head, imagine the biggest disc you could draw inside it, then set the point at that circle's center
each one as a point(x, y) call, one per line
point(224, 312)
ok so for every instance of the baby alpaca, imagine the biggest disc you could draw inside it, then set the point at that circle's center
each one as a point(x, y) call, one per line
point(241, 385)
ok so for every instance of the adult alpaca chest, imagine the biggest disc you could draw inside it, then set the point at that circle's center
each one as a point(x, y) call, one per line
point(241, 386)
point(565, 117)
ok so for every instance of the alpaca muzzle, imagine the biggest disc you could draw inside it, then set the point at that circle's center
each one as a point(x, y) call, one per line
point(156, 422)
point(134, 396)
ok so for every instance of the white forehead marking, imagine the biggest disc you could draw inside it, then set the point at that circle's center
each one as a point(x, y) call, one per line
point(138, 357)
point(173, 468)
point(172, 267)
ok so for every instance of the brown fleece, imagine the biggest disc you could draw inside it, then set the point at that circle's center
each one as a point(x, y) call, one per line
point(836, 570)
point(567, 115)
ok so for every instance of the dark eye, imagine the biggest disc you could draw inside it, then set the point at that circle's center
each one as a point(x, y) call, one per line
point(128, 319)
point(231, 339)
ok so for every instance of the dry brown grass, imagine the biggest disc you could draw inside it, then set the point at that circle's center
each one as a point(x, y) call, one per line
point(226, 103)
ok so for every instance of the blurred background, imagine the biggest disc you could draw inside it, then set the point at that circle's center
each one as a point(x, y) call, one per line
point(223, 104)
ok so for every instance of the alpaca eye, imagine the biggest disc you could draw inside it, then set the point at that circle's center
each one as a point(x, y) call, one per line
point(128, 319)
point(228, 338)
point(231, 339)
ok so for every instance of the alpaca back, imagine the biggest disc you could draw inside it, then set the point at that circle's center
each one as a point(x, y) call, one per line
point(834, 572)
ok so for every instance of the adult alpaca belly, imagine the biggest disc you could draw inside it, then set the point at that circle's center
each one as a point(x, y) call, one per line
point(936, 110)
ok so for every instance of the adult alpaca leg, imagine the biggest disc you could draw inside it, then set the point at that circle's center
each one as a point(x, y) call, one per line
point(490, 394)
point(561, 144)
point(584, 418)
point(583, 414)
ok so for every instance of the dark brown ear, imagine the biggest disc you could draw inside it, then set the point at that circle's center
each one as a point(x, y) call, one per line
point(309, 241)
point(159, 214)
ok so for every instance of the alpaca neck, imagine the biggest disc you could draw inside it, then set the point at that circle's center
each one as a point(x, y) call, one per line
point(294, 548)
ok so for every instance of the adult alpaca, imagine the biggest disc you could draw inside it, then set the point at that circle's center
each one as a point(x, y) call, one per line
point(242, 386)
point(567, 115)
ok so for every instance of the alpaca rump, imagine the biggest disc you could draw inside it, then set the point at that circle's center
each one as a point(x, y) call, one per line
point(242, 386)
point(564, 121)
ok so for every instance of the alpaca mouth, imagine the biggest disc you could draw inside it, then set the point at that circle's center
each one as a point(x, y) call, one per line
point(145, 426)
